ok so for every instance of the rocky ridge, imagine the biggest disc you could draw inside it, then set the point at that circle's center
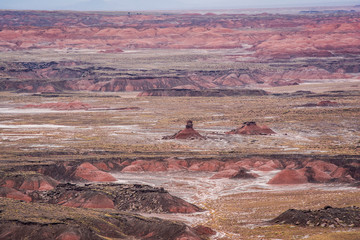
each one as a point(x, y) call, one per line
point(46, 221)
point(122, 197)
point(326, 217)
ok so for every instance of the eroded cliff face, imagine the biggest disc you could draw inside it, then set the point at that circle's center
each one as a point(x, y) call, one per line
point(260, 49)
point(84, 76)
point(271, 35)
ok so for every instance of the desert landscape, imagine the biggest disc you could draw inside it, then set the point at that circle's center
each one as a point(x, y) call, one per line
point(180, 125)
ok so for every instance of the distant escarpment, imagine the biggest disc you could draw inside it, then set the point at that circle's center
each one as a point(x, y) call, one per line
point(270, 35)
point(88, 76)
point(202, 93)
point(80, 51)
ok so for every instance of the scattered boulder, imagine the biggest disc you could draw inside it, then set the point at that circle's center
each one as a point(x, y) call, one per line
point(326, 217)
point(187, 133)
point(251, 128)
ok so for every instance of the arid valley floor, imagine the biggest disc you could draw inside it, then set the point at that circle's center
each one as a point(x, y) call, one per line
point(83, 120)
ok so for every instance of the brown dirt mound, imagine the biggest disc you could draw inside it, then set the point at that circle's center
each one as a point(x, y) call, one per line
point(187, 133)
point(251, 128)
point(313, 172)
point(288, 176)
point(28, 181)
point(87, 171)
point(326, 217)
point(7, 192)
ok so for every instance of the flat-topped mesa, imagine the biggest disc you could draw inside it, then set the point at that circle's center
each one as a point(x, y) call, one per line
point(187, 133)
point(251, 128)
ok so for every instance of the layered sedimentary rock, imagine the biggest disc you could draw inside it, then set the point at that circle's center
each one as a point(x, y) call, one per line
point(187, 133)
point(271, 34)
point(314, 47)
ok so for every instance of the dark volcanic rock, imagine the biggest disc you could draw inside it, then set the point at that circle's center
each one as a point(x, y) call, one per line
point(251, 128)
point(327, 217)
point(187, 133)
point(139, 198)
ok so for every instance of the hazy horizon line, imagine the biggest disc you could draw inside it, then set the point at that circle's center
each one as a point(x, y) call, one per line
point(110, 6)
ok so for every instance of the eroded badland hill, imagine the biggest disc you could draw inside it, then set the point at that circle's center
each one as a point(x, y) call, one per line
point(184, 126)
point(56, 51)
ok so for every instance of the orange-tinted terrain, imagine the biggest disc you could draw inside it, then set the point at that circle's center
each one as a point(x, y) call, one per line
point(92, 113)
point(111, 51)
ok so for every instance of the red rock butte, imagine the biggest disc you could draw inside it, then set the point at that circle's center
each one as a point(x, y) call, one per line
point(251, 128)
point(187, 133)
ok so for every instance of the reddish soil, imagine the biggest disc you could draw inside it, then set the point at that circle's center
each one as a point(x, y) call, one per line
point(266, 38)
point(289, 176)
point(187, 133)
point(251, 128)
point(29, 182)
point(14, 194)
point(313, 172)
point(271, 35)
point(87, 171)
